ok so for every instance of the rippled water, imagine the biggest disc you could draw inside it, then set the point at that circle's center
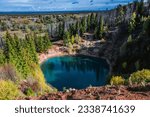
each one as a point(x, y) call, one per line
point(76, 72)
point(58, 5)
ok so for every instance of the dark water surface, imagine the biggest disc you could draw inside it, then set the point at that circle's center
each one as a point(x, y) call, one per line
point(76, 72)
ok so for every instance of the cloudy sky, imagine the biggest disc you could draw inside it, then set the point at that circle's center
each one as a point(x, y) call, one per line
point(58, 5)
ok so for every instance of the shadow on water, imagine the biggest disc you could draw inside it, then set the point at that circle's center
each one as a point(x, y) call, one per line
point(75, 72)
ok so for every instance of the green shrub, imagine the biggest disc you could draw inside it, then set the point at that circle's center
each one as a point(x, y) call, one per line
point(8, 90)
point(124, 65)
point(29, 92)
point(117, 80)
point(140, 77)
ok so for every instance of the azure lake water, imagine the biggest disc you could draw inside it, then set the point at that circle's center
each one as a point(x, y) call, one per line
point(77, 72)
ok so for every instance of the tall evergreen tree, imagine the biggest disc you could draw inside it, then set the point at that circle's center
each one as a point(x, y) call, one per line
point(66, 38)
point(77, 28)
point(120, 14)
point(10, 49)
point(72, 39)
point(83, 22)
point(96, 21)
point(92, 18)
point(132, 23)
point(2, 57)
point(88, 23)
point(47, 42)
point(30, 45)
point(99, 31)
point(139, 11)
point(61, 30)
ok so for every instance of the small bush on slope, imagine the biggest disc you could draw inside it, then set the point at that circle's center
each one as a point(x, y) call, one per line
point(8, 90)
point(140, 77)
point(117, 80)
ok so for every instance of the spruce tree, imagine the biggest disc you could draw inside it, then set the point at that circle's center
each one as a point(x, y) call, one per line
point(99, 31)
point(10, 49)
point(77, 28)
point(66, 38)
point(72, 39)
point(132, 23)
point(139, 11)
point(96, 21)
point(92, 18)
point(47, 42)
point(83, 22)
point(88, 23)
point(120, 14)
point(60, 30)
point(2, 57)
point(146, 27)
point(30, 46)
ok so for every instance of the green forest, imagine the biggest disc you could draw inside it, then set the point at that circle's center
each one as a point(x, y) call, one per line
point(23, 40)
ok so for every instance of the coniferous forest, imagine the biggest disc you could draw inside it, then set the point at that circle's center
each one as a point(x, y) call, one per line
point(122, 35)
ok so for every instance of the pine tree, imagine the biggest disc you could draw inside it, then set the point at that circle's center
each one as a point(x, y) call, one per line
point(40, 44)
point(132, 23)
point(72, 39)
point(66, 38)
point(11, 54)
point(99, 31)
point(18, 48)
point(88, 23)
point(77, 28)
point(30, 46)
point(83, 22)
point(96, 21)
point(101, 27)
point(120, 14)
point(146, 27)
point(140, 8)
point(61, 30)
point(47, 42)
point(139, 11)
point(92, 18)
point(77, 38)
point(10, 49)
point(24, 68)
point(2, 57)
point(17, 42)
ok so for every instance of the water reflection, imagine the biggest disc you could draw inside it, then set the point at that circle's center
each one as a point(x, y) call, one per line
point(75, 72)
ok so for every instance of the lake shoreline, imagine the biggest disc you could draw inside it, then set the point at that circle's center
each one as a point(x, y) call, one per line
point(56, 51)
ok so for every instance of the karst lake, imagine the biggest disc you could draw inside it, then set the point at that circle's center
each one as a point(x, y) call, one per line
point(77, 72)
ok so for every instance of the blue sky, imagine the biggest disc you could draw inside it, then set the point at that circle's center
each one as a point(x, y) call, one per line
point(58, 5)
